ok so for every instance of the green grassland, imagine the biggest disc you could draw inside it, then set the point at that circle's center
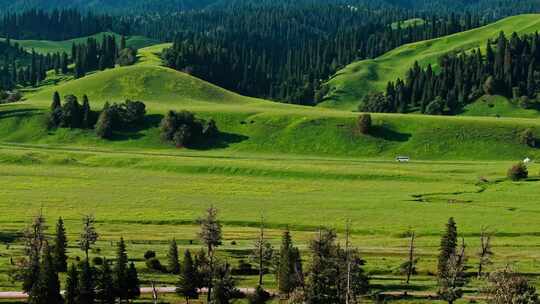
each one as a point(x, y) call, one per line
point(408, 23)
point(349, 85)
point(302, 167)
point(46, 46)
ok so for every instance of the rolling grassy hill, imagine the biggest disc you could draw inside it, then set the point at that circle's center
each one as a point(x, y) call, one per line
point(254, 125)
point(47, 46)
point(348, 86)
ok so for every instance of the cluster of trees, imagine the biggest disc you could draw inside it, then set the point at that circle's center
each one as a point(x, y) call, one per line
point(118, 116)
point(86, 282)
point(509, 67)
point(71, 114)
point(184, 129)
point(93, 55)
point(503, 286)
point(20, 67)
point(285, 53)
point(335, 273)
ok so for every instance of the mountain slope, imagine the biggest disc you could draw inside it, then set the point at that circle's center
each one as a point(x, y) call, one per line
point(348, 86)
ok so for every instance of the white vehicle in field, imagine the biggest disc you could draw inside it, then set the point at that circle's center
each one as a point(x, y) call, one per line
point(403, 159)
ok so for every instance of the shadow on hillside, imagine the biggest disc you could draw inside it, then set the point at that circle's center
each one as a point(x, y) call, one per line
point(383, 132)
point(9, 237)
point(150, 121)
point(221, 141)
point(18, 113)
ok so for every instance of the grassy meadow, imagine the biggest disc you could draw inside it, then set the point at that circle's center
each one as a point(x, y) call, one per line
point(301, 167)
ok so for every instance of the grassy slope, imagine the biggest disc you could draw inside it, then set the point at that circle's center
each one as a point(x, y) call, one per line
point(254, 125)
point(45, 46)
point(353, 82)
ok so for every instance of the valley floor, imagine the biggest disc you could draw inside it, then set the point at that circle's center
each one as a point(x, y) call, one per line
point(150, 197)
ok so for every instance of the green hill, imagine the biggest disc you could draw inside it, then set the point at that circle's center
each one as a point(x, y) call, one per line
point(257, 126)
point(348, 86)
point(46, 46)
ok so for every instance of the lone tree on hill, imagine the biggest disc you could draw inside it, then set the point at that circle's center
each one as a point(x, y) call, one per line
point(364, 123)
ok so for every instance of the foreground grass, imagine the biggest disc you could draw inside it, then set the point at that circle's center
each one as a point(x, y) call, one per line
point(150, 198)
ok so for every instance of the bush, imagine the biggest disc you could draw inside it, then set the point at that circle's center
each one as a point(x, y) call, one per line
point(436, 107)
point(364, 123)
point(127, 56)
point(184, 129)
point(518, 172)
point(527, 138)
point(260, 296)
point(104, 125)
point(149, 254)
point(154, 264)
point(97, 261)
point(244, 268)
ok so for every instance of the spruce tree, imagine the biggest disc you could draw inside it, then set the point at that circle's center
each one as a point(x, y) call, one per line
point(448, 246)
point(288, 266)
point(47, 288)
point(120, 271)
point(172, 256)
point(60, 247)
point(211, 236)
point(86, 112)
point(105, 284)
point(187, 283)
point(86, 284)
point(104, 126)
point(56, 103)
point(72, 286)
point(224, 285)
point(133, 284)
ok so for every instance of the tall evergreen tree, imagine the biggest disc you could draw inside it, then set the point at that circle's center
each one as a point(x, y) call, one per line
point(60, 247)
point(86, 284)
point(133, 284)
point(187, 282)
point(448, 246)
point(86, 112)
point(120, 272)
point(288, 272)
point(47, 288)
point(105, 284)
point(72, 286)
point(172, 256)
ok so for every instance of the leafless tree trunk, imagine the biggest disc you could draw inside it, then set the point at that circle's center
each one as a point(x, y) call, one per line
point(348, 260)
point(485, 251)
point(410, 267)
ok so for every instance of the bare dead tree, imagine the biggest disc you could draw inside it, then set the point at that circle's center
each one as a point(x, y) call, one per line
point(412, 261)
point(485, 252)
point(348, 260)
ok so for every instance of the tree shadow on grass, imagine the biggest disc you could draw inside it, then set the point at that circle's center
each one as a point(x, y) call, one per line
point(384, 132)
point(9, 237)
point(220, 141)
point(132, 133)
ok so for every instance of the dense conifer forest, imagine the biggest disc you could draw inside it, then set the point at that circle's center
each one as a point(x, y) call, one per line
point(508, 67)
